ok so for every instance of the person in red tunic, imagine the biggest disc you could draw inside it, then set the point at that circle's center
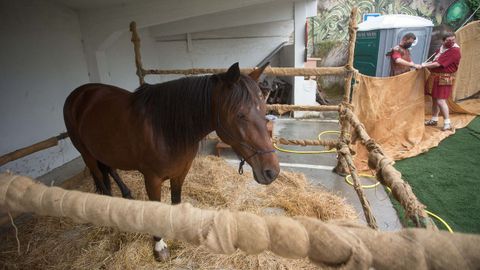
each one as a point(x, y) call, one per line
point(400, 60)
point(442, 76)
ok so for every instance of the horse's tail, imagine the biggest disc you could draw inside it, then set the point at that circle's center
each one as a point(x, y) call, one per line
point(68, 115)
point(72, 118)
point(107, 170)
point(72, 112)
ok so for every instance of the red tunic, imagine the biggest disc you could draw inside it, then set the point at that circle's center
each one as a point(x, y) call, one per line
point(449, 62)
point(398, 52)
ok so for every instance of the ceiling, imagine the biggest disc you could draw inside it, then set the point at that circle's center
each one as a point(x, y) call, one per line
point(92, 4)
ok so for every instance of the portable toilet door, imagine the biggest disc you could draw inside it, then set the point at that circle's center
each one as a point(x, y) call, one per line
point(367, 52)
point(378, 35)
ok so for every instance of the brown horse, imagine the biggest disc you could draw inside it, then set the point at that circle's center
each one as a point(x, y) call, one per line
point(157, 129)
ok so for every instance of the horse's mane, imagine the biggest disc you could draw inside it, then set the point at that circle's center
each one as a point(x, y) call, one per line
point(180, 110)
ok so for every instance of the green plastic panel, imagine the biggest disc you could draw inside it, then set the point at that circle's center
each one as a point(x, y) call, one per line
point(366, 52)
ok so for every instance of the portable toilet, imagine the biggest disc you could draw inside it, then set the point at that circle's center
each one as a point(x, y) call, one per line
point(377, 35)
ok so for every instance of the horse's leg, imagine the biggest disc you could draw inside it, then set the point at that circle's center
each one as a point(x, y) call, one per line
point(106, 179)
point(97, 174)
point(176, 188)
point(90, 162)
point(123, 188)
point(153, 185)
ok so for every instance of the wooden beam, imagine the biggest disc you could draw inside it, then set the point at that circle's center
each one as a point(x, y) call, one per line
point(277, 71)
point(138, 57)
point(32, 149)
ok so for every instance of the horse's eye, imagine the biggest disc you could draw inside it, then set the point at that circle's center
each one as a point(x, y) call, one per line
point(241, 116)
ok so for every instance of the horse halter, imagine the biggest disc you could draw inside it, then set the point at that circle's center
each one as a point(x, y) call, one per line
point(242, 160)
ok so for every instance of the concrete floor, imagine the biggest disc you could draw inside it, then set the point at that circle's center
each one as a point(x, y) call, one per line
point(317, 168)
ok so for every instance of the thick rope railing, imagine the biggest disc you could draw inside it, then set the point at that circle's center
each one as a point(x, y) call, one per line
point(352, 37)
point(386, 173)
point(138, 57)
point(333, 244)
point(328, 143)
point(344, 153)
point(389, 176)
point(342, 167)
point(284, 108)
point(274, 71)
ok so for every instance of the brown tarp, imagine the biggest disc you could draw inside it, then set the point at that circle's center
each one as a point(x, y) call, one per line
point(393, 110)
point(468, 74)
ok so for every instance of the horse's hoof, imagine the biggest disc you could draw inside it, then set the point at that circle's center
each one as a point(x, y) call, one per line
point(162, 256)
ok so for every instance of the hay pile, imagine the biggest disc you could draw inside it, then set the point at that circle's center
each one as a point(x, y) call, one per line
point(54, 243)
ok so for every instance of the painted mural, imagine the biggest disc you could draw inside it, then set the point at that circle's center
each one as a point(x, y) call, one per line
point(328, 34)
point(333, 15)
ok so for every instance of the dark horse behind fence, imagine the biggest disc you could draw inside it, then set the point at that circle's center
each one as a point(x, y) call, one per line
point(157, 129)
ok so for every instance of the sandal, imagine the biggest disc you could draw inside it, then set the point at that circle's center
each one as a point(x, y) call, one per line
point(431, 123)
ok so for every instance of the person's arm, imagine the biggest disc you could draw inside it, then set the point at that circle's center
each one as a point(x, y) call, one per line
point(406, 63)
point(431, 65)
point(397, 57)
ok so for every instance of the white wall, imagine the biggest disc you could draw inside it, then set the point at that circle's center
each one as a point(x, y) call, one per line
point(304, 93)
point(101, 27)
point(109, 51)
point(41, 62)
point(221, 35)
point(215, 52)
point(47, 50)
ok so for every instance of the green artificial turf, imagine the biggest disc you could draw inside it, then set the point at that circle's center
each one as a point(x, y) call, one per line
point(447, 179)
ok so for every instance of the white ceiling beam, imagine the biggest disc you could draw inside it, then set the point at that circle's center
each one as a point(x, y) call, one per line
point(262, 13)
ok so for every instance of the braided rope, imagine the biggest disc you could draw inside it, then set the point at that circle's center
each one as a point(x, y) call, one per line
point(333, 244)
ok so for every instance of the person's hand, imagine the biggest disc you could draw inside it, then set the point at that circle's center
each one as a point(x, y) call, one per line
point(417, 66)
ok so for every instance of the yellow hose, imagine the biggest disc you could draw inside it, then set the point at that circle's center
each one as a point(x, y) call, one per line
point(441, 220)
point(363, 186)
point(435, 216)
point(328, 132)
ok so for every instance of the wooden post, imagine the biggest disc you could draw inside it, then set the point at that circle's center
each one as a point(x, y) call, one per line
point(342, 167)
point(352, 31)
point(32, 148)
point(344, 152)
point(138, 57)
point(389, 176)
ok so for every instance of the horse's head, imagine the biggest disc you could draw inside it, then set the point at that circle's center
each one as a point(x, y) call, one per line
point(240, 121)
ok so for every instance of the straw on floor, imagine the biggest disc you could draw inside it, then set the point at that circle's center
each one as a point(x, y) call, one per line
point(54, 243)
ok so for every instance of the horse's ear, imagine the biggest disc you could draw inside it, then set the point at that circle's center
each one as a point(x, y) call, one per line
point(255, 74)
point(233, 73)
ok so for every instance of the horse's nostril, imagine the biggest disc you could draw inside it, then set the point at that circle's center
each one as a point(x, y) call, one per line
point(270, 174)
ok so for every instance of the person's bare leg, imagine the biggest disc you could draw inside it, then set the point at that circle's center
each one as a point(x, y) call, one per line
point(435, 112)
point(442, 104)
point(435, 108)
